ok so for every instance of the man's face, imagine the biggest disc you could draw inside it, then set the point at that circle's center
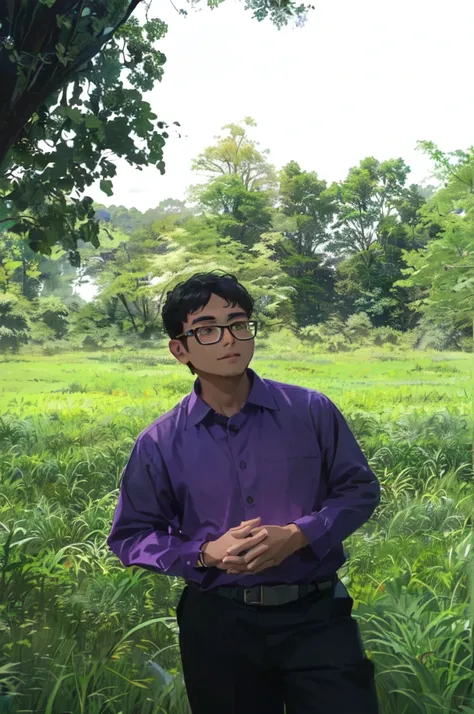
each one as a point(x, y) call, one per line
point(208, 359)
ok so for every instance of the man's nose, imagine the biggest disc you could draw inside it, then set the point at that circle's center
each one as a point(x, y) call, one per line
point(228, 338)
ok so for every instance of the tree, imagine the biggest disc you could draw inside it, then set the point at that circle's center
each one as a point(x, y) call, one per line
point(129, 220)
point(45, 45)
point(408, 208)
point(365, 281)
point(446, 296)
point(306, 210)
point(196, 249)
point(74, 133)
point(238, 197)
point(14, 326)
point(127, 276)
point(235, 211)
point(63, 87)
point(378, 218)
point(236, 155)
point(306, 200)
point(367, 198)
point(132, 286)
point(24, 272)
point(19, 267)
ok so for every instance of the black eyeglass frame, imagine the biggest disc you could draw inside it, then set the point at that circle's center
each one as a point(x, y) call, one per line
point(193, 332)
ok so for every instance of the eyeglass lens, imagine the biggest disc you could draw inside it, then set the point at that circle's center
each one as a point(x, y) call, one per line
point(242, 330)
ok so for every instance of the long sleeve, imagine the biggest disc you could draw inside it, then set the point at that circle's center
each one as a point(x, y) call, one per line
point(144, 515)
point(353, 489)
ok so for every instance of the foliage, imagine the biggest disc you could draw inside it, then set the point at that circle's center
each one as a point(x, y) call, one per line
point(133, 282)
point(366, 282)
point(129, 268)
point(359, 327)
point(337, 335)
point(235, 211)
point(45, 45)
point(313, 279)
point(236, 154)
point(385, 223)
point(53, 313)
point(67, 605)
point(19, 273)
point(13, 323)
point(444, 268)
point(385, 336)
point(367, 198)
point(311, 205)
point(75, 132)
point(128, 220)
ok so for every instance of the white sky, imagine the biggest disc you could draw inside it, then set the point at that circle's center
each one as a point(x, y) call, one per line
point(362, 78)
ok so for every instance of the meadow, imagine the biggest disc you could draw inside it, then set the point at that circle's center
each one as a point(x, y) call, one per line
point(80, 634)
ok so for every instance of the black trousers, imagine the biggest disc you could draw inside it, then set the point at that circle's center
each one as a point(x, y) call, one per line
point(254, 659)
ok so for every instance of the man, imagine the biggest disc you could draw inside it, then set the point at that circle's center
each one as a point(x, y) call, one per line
point(246, 489)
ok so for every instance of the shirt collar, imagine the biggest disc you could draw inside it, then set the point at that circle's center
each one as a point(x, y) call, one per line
point(259, 395)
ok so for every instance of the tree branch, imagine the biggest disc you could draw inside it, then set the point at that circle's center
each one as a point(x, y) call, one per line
point(19, 218)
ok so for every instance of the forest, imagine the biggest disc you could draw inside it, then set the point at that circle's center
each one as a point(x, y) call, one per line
point(370, 258)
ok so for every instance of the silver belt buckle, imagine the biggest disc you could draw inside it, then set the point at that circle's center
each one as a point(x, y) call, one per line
point(260, 602)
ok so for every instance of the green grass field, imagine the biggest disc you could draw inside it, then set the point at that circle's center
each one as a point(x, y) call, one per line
point(81, 634)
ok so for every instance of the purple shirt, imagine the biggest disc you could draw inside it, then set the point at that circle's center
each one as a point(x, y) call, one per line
point(287, 456)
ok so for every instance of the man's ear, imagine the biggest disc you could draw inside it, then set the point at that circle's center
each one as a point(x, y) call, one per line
point(177, 349)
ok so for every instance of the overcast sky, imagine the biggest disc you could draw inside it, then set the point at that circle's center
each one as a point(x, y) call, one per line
point(361, 78)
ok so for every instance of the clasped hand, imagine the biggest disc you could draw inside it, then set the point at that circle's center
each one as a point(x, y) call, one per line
point(279, 545)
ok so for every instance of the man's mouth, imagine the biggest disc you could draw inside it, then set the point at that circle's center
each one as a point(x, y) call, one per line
point(229, 356)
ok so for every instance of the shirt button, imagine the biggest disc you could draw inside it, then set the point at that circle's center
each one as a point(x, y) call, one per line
point(234, 429)
point(243, 465)
point(249, 499)
point(188, 562)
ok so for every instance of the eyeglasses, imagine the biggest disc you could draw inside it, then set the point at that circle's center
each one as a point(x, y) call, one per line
point(209, 335)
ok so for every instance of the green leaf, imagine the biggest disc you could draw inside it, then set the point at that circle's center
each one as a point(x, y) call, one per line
point(92, 122)
point(19, 228)
point(74, 114)
point(106, 187)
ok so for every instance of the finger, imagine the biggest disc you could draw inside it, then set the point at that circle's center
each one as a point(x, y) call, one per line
point(246, 524)
point(233, 560)
point(262, 566)
point(256, 567)
point(242, 547)
point(243, 559)
point(241, 531)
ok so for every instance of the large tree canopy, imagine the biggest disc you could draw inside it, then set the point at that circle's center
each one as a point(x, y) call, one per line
point(236, 154)
point(73, 73)
point(45, 43)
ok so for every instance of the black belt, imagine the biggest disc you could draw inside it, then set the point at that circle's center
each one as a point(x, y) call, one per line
point(272, 594)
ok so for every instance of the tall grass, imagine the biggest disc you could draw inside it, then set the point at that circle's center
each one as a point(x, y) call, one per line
point(79, 633)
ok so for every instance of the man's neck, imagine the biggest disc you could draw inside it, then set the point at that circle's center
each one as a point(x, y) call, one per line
point(226, 395)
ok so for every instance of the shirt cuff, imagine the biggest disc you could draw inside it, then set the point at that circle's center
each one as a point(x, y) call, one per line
point(189, 557)
point(318, 537)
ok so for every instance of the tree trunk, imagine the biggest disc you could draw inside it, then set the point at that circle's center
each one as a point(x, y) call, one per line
point(123, 300)
point(36, 32)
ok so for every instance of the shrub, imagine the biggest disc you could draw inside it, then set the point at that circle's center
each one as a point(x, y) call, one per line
point(14, 328)
point(359, 327)
point(386, 336)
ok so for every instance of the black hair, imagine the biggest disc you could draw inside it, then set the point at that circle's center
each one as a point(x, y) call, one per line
point(192, 294)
